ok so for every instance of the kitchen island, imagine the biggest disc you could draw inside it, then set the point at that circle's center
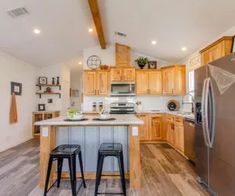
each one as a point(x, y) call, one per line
point(90, 134)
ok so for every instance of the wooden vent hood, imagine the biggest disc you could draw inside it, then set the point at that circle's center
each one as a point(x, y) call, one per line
point(123, 55)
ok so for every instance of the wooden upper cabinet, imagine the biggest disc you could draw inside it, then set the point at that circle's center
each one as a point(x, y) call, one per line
point(103, 82)
point(174, 80)
point(122, 74)
point(128, 74)
point(144, 129)
point(167, 80)
point(216, 50)
point(96, 83)
point(123, 55)
point(156, 127)
point(179, 80)
point(155, 82)
point(89, 83)
point(116, 74)
point(142, 82)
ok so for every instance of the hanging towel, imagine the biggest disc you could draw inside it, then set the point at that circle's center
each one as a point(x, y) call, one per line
point(13, 109)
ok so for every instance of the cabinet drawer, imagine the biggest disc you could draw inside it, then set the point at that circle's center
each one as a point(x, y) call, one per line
point(178, 120)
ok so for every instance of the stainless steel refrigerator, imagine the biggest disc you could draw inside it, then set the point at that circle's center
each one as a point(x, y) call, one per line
point(215, 125)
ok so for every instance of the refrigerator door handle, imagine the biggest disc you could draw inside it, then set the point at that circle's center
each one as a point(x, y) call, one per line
point(204, 111)
point(212, 114)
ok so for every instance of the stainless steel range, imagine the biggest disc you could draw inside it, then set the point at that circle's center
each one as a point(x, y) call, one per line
point(122, 108)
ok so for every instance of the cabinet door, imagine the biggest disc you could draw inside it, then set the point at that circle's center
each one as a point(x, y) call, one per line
point(144, 129)
point(156, 128)
point(128, 74)
point(179, 80)
point(103, 82)
point(141, 82)
point(170, 131)
point(89, 85)
point(155, 82)
point(167, 80)
point(116, 74)
point(179, 137)
point(122, 55)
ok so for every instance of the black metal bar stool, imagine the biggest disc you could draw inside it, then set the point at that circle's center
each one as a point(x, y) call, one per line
point(113, 150)
point(66, 151)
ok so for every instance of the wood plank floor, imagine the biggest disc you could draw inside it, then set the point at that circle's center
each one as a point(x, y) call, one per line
point(165, 173)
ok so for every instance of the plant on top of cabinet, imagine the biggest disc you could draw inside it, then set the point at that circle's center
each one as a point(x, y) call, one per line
point(141, 61)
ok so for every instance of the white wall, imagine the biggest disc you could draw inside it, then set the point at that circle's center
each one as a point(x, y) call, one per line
point(107, 56)
point(13, 69)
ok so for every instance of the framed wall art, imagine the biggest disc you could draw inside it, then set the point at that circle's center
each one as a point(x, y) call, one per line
point(16, 88)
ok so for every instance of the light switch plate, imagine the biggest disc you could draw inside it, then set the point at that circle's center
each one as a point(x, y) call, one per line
point(135, 131)
point(45, 131)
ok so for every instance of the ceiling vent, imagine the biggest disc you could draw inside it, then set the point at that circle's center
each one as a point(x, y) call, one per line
point(21, 11)
point(120, 34)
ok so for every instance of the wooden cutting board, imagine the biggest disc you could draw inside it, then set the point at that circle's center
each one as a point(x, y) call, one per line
point(13, 109)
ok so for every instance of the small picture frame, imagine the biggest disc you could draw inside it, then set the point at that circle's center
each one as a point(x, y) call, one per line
point(41, 107)
point(152, 64)
point(42, 80)
point(16, 88)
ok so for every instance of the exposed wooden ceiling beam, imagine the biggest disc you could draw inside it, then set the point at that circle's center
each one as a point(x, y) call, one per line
point(98, 23)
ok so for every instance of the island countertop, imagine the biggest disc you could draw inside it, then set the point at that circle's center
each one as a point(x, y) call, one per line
point(126, 119)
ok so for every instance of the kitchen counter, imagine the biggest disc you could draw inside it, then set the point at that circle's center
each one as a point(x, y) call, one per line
point(127, 119)
point(89, 135)
point(175, 113)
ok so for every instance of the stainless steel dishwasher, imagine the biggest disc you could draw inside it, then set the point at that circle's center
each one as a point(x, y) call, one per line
point(189, 138)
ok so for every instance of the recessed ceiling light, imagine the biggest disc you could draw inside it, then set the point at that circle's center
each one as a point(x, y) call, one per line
point(80, 62)
point(90, 30)
point(154, 42)
point(36, 31)
point(183, 48)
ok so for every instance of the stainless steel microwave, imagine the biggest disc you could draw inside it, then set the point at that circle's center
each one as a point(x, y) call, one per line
point(122, 89)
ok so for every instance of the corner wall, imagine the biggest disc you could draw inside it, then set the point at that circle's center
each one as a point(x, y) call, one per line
point(13, 69)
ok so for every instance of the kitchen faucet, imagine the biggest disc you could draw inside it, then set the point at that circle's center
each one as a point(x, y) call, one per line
point(191, 103)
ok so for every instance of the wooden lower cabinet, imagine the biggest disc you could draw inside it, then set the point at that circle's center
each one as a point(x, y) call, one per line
point(156, 127)
point(162, 127)
point(144, 129)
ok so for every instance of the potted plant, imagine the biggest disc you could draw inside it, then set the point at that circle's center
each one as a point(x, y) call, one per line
point(141, 61)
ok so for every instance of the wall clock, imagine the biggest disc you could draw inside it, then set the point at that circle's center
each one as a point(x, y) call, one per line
point(93, 62)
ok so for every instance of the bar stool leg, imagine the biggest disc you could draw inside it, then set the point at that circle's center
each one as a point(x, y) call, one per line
point(48, 175)
point(59, 170)
point(74, 172)
point(121, 169)
point(81, 168)
point(100, 168)
point(71, 175)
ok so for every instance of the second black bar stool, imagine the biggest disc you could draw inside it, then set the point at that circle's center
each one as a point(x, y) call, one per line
point(106, 150)
point(65, 151)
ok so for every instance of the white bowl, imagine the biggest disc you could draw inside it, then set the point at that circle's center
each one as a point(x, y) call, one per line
point(104, 116)
point(77, 117)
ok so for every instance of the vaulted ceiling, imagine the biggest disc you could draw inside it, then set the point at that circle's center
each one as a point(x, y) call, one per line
point(64, 27)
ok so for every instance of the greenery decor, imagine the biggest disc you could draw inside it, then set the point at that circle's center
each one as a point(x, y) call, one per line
point(141, 61)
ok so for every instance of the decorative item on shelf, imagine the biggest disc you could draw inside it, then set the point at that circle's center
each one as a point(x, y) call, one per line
point(58, 80)
point(16, 88)
point(94, 107)
point(42, 80)
point(53, 81)
point(101, 106)
point(41, 107)
point(74, 92)
point(152, 64)
point(141, 61)
point(104, 67)
point(50, 101)
point(48, 90)
point(93, 62)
